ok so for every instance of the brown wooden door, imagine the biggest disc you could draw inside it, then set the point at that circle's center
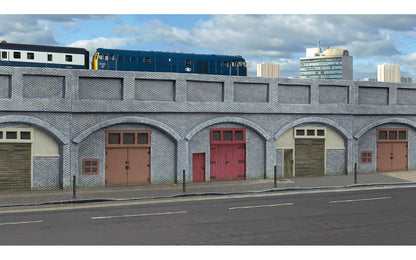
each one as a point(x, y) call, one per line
point(391, 156)
point(115, 172)
point(288, 163)
point(138, 166)
point(198, 167)
point(309, 157)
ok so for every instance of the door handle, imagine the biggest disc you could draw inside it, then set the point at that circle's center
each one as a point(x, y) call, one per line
point(127, 167)
point(227, 162)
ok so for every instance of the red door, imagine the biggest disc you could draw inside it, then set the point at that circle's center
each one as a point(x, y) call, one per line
point(198, 167)
point(228, 162)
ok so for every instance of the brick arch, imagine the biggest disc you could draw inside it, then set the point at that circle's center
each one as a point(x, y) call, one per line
point(45, 126)
point(385, 121)
point(129, 120)
point(321, 120)
point(237, 120)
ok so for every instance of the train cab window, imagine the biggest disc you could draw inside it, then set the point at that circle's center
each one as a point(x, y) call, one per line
point(105, 57)
point(233, 63)
point(188, 62)
point(4, 54)
point(49, 57)
point(112, 57)
point(147, 60)
point(100, 57)
point(30, 56)
point(68, 58)
point(16, 55)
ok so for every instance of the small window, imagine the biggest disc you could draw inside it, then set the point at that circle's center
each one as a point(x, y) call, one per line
point(68, 58)
point(147, 60)
point(105, 57)
point(25, 135)
point(4, 55)
point(300, 132)
point(142, 138)
point(366, 157)
point(112, 57)
point(227, 136)
point(188, 62)
point(239, 136)
point(16, 55)
point(90, 166)
point(11, 135)
point(1, 135)
point(225, 64)
point(320, 132)
point(382, 135)
point(402, 135)
point(114, 138)
point(49, 57)
point(310, 132)
point(128, 138)
point(216, 136)
point(392, 135)
point(30, 56)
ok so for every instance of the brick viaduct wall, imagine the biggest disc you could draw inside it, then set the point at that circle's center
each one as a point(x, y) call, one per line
point(76, 106)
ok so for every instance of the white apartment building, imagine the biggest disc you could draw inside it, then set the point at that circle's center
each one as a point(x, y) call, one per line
point(268, 69)
point(387, 72)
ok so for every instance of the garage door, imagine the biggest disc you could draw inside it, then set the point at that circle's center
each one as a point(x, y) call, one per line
point(392, 150)
point(309, 157)
point(15, 166)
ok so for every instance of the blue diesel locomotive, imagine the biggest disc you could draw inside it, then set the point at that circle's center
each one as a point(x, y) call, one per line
point(125, 60)
point(28, 55)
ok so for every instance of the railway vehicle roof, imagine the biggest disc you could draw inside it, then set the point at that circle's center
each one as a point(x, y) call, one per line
point(33, 47)
point(170, 54)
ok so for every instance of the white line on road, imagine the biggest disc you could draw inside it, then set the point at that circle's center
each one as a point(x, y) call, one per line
point(23, 222)
point(356, 200)
point(261, 206)
point(141, 215)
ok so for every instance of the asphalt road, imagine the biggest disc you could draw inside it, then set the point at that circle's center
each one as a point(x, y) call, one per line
point(365, 217)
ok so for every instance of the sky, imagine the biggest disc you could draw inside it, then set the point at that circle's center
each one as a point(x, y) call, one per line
point(259, 34)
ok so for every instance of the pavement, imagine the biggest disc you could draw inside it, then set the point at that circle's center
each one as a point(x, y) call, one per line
point(10, 198)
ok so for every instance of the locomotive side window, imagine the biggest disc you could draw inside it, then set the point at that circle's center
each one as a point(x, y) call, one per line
point(49, 57)
point(16, 55)
point(4, 54)
point(147, 60)
point(225, 64)
point(30, 56)
point(188, 62)
point(68, 58)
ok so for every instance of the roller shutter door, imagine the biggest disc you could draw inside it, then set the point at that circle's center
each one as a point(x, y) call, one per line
point(309, 157)
point(15, 166)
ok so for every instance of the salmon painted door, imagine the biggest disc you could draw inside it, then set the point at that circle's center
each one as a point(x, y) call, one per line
point(115, 173)
point(228, 162)
point(391, 157)
point(138, 166)
point(198, 167)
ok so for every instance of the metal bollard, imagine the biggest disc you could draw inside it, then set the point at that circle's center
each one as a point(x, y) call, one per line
point(183, 182)
point(355, 173)
point(275, 177)
point(74, 187)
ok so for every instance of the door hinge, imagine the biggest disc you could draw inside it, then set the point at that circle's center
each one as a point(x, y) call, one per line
point(212, 162)
point(241, 161)
point(212, 177)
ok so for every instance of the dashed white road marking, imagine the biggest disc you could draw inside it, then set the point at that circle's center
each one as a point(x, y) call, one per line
point(261, 206)
point(22, 222)
point(141, 215)
point(356, 200)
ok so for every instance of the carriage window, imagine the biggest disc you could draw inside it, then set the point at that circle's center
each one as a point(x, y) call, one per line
point(30, 56)
point(4, 55)
point(16, 55)
point(147, 60)
point(188, 62)
point(49, 57)
point(68, 58)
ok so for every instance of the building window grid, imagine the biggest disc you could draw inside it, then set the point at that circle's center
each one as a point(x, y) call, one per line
point(16, 135)
point(392, 135)
point(227, 136)
point(366, 157)
point(90, 166)
point(128, 138)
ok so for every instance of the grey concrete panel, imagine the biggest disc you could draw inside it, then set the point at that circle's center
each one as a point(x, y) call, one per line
point(333, 94)
point(294, 94)
point(43, 86)
point(373, 96)
point(251, 92)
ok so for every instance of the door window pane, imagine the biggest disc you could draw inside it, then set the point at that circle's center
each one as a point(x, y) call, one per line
point(114, 138)
point(402, 135)
point(128, 138)
point(392, 135)
point(142, 138)
point(216, 136)
point(239, 136)
point(382, 135)
point(227, 136)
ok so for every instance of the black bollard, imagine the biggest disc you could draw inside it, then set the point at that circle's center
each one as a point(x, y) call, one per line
point(355, 173)
point(275, 177)
point(74, 187)
point(183, 182)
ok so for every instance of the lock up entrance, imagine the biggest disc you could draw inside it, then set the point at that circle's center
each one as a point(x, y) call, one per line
point(392, 150)
point(127, 158)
